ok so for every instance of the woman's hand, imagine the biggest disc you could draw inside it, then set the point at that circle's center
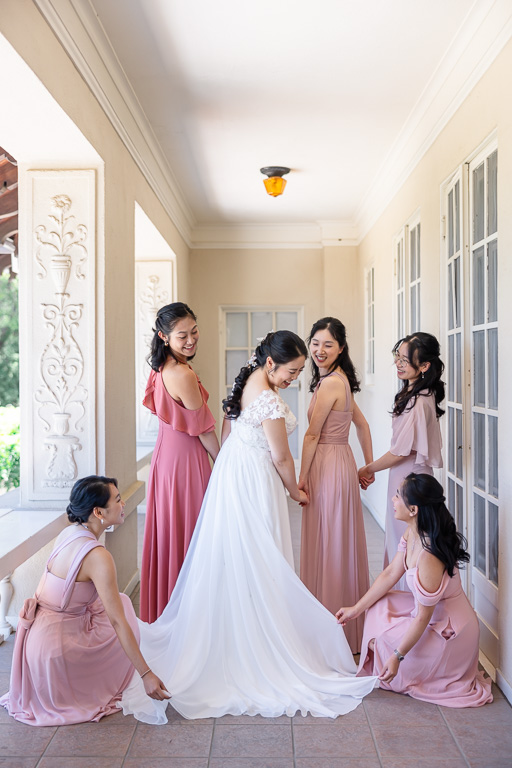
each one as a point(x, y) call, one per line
point(154, 687)
point(366, 478)
point(303, 498)
point(346, 614)
point(390, 670)
point(303, 486)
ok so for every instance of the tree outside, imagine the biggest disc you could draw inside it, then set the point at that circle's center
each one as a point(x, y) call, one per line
point(9, 384)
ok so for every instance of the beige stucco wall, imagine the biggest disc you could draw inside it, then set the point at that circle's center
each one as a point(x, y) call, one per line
point(270, 277)
point(487, 108)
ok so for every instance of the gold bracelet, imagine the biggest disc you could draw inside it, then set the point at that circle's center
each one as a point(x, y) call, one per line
point(145, 673)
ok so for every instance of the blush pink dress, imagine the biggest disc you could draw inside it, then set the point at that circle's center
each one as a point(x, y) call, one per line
point(442, 667)
point(178, 477)
point(333, 556)
point(68, 665)
point(416, 436)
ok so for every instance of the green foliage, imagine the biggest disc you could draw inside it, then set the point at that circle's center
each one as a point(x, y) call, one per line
point(9, 344)
point(9, 448)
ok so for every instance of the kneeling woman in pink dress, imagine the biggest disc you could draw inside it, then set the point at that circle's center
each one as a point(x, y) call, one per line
point(424, 642)
point(77, 642)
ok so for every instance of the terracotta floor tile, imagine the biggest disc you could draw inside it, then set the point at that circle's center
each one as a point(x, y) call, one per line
point(395, 708)
point(80, 762)
point(491, 762)
point(165, 762)
point(174, 718)
point(423, 762)
point(171, 741)
point(92, 740)
point(18, 762)
point(251, 762)
point(335, 762)
point(252, 741)
point(325, 741)
point(489, 742)
point(357, 716)
point(24, 740)
point(252, 720)
point(499, 712)
point(395, 741)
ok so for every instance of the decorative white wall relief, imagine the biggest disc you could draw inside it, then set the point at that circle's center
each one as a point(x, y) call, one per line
point(62, 343)
point(62, 396)
point(154, 289)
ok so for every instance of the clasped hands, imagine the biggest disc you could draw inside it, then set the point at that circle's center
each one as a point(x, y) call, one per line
point(366, 478)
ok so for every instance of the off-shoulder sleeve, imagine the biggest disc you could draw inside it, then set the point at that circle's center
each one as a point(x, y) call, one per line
point(417, 430)
point(271, 406)
point(430, 598)
point(159, 402)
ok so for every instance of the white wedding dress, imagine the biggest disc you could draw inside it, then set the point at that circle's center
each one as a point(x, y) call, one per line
point(241, 634)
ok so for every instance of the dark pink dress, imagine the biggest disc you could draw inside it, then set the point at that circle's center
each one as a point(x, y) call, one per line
point(180, 471)
point(68, 665)
point(443, 665)
point(333, 555)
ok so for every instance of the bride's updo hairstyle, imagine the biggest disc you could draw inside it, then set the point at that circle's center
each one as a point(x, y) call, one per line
point(87, 493)
point(343, 361)
point(166, 319)
point(281, 347)
point(436, 526)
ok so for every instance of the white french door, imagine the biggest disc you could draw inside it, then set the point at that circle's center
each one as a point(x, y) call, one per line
point(241, 328)
point(471, 469)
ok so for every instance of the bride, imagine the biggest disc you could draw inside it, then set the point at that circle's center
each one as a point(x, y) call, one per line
point(241, 634)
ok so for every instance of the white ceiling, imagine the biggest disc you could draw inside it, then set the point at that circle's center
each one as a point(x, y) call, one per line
point(326, 88)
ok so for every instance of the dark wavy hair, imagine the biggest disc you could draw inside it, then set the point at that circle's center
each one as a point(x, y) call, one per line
point(87, 493)
point(436, 526)
point(343, 361)
point(166, 319)
point(422, 348)
point(281, 347)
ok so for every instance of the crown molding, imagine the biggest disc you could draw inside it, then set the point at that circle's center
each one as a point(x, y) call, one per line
point(483, 34)
point(82, 36)
point(264, 236)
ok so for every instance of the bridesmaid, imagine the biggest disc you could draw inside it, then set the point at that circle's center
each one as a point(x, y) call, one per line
point(416, 436)
point(180, 468)
point(77, 642)
point(423, 644)
point(333, 559)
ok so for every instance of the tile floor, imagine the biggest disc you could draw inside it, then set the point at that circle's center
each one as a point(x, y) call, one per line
point(386, 731)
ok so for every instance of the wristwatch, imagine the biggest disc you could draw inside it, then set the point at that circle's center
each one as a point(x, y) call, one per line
point(399, 655)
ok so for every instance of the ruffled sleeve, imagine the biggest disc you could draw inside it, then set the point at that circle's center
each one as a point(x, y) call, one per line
point(417, 430)
point(168, 410)
point(430, 598)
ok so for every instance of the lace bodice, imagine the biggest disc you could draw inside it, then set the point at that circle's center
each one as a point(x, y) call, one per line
point(268, 405)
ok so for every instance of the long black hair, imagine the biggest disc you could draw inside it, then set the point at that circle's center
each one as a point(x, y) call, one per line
point(166, 319)
point(343, 361)
point(422, 348)
point(281, 347)
point(87, 493)
point(436, 526)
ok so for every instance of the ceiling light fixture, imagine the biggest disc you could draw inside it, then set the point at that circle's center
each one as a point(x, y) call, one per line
point(275, 183)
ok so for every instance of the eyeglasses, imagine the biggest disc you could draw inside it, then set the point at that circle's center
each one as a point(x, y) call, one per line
point(401, 360)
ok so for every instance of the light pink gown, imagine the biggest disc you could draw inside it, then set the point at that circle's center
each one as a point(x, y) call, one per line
point(417, 436)
point(333, 556)
point(68, 665)
point(179, 474)
point(442, 667)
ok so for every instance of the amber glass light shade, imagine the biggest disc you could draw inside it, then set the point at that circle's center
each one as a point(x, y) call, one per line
point(275, 185)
